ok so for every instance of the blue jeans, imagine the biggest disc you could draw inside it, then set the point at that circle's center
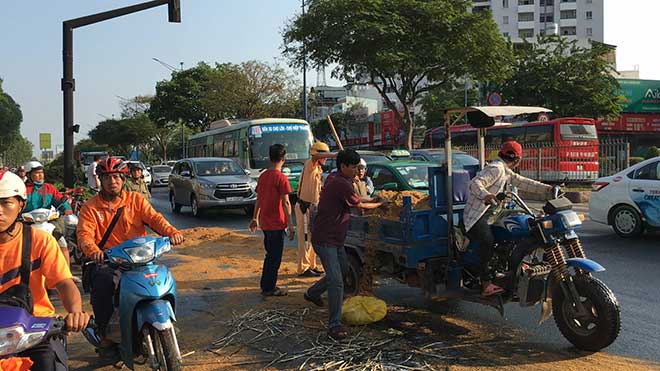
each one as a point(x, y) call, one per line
point(335, 264)
point(274, 244)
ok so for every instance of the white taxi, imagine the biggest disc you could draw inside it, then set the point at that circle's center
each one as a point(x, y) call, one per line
point(629, 201)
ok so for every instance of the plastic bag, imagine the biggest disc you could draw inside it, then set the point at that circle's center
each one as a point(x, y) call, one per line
point(363, 310)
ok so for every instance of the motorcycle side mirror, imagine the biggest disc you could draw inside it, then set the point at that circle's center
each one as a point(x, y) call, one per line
point(501, 196)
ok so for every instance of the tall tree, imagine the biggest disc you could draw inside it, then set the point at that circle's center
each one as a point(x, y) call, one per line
point(19, 151)
point(10, 120)
point(564, 77)
point(404, 47)
point(124, 134)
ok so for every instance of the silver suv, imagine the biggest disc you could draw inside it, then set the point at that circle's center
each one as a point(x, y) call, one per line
point(209, 182)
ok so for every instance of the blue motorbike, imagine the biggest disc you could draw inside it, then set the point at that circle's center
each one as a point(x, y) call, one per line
point(145, 303)
point(538, 258)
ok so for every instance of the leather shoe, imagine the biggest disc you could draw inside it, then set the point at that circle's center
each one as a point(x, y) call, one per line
point(309, 273)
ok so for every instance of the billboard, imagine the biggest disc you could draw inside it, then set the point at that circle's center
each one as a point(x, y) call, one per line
point(632, 122)
point(641, 96)
point(44, 141)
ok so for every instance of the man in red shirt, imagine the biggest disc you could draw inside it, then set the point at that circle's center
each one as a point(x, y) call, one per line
point(272, 213)
point(329, 233)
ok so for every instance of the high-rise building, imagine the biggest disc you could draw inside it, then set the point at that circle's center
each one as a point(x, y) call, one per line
point(580, 20)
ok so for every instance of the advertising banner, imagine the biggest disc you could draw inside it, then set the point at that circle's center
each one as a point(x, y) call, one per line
point(641, 96)
point(632, 122)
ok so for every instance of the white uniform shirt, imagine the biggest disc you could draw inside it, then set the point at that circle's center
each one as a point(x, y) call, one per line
point(91, 175)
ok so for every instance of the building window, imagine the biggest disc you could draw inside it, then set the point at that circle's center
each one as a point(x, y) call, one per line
point(547, 2)
point(590, 14)
point(568, 14)
point(590, 31)
point(505, 34)
point(525, 2)
point(505, 4)
point(547, 18)
point(568, 31)
point(567, 1)
point(525, 17)
point(527, 33)
point(589, 1)
point(505, 19)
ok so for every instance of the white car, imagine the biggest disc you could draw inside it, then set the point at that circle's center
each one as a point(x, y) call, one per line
point(629, 201)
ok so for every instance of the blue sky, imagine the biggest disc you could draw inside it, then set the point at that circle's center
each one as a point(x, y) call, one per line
point(114, 58)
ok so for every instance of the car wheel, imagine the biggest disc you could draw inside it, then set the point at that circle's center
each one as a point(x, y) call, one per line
point(194, 205)
point(627, 222)
point(176, 208)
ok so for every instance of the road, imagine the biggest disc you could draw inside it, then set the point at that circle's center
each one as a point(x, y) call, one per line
point(632, 274)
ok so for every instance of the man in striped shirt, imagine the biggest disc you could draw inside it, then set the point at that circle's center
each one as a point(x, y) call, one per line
point(483, 190)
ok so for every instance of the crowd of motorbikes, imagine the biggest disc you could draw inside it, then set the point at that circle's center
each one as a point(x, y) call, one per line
point(145, 299)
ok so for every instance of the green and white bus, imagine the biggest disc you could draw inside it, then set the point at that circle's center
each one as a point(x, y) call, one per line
point(248, 142)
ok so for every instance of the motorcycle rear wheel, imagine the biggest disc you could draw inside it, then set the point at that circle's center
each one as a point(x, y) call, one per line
point(603, 324)
point(167, 349)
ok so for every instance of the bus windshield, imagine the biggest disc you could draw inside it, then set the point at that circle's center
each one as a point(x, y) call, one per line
point(295, 137)
point(576, 131)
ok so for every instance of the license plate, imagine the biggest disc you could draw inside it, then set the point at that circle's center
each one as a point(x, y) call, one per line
point(234, 199)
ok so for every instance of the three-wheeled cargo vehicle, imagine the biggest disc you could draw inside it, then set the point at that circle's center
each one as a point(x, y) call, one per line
point(538, 257)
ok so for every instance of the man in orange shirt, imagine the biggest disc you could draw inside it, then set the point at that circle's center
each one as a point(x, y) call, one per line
point(95, 218)
point(48, 268)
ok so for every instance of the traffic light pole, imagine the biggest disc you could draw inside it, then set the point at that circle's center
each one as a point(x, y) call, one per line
point(69, 83)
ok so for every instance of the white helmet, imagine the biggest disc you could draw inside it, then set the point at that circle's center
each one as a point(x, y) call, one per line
point(33, 165)
point(11, 185)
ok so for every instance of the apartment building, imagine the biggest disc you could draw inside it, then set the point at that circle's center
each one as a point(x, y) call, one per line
point(580, 20)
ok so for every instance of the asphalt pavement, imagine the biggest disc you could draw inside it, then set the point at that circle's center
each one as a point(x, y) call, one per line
point(632, 267)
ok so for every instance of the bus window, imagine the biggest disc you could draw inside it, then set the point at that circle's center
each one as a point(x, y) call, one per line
point(501, 135)
point(577, 131)
point(217, 146)
point(296, 137)
point(539, 133)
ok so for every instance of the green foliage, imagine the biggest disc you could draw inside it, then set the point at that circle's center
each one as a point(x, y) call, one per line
point(566, 78)
point(203, 94)
point(88, 145)
point(54, 171)
point(652, 152)
point(19, 151)
point(406, 47)
point(435, 101)
point(122, 135)
point(341, 120)
point(635, 160)
point(10, 120)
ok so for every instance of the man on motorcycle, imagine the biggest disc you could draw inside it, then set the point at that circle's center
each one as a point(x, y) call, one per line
point(49, 268)
point(95, 219)
point(483, 190)
point(136, 183)
point(42, 195)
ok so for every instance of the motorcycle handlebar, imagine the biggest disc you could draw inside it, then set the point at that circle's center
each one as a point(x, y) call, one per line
point(59, 327)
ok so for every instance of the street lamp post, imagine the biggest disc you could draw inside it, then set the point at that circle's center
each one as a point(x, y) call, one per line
point(68, 82)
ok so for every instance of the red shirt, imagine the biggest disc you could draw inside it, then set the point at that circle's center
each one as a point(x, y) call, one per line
point(331, 222)
point(272, 185)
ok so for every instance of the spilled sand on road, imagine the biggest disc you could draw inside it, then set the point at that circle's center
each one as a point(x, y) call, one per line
point(218, 273)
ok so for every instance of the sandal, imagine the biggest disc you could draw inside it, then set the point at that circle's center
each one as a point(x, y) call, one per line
point(338, 333)
point(491, 289)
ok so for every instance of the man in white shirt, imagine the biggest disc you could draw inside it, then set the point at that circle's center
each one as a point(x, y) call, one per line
point(93, 180)
point(483, 191)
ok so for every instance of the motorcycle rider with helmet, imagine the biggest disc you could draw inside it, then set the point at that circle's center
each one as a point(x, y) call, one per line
point(48, 269)
point(42, 195)
point(482, 195)
point(95, 219)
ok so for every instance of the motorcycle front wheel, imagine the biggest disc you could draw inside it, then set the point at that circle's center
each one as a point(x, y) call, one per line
point(166, 348)
point(602, 323)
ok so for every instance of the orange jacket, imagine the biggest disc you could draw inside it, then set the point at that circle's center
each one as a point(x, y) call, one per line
point(96, 214)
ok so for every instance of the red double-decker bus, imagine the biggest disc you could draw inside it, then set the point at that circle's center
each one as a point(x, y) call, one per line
point(563, 149)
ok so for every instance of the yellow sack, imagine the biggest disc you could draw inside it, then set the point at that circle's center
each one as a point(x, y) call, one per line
point(363, 310)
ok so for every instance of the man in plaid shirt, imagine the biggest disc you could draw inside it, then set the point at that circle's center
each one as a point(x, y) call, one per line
point(483, 190)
